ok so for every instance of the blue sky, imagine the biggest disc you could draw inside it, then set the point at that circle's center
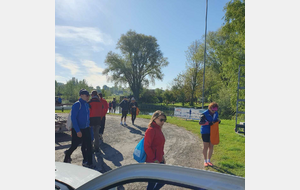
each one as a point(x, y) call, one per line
point(86, 30)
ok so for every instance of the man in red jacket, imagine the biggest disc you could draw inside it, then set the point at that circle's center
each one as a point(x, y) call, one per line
point(95, 117)
point(102, 115)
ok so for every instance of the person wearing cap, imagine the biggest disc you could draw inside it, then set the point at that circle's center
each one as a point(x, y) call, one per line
point(81, 133)
point(207, 119)
point(132, 106)
point(125, 107)
point(95, 118)
point(103, 112)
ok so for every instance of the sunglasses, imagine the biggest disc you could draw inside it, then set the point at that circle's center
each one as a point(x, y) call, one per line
point(161, 120)
point(214, 110)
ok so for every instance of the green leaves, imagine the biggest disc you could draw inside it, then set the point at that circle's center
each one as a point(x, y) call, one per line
point(140, 63)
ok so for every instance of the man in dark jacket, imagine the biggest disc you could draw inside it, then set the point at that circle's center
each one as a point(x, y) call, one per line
point(114, 104)
point(132, 106)
point(125, 107)
point(81, 133)
point(95, 118)
point(104, 108)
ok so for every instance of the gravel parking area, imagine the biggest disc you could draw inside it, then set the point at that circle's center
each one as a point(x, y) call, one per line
point(182, 148)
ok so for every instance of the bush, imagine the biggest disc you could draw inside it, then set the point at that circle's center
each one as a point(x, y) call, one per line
point(224, 102)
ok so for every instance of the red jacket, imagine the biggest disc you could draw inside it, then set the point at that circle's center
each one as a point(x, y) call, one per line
point(98, 108)
point(154, 142)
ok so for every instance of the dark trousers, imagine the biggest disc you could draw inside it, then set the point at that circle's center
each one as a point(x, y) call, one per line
point(86, 147)
point(102, 124)
point(133, 115)
point(154, 185)
point(124, 113)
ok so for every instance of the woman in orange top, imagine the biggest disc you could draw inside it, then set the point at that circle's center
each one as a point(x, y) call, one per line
point(154, 142)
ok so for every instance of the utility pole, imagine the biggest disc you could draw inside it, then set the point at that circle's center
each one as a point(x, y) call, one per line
point(204, 55)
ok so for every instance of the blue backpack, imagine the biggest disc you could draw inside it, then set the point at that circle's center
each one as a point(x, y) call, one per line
point(139, 153)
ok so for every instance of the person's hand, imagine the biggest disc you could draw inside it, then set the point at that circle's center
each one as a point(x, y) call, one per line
point(211, 123)
point(219, 121)
point(156, 161)
point(79, 134)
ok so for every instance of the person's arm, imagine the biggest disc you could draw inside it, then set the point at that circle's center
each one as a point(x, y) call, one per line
point(148, 139)
point(121, 104)
point(74, 114)
point(203, 120)
point(218, 119)
point(106, 107)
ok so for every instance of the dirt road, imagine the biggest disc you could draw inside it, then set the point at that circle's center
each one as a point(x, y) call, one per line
point(182, 147)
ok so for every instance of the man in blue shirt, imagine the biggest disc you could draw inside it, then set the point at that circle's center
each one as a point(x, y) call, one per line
point(80, 116)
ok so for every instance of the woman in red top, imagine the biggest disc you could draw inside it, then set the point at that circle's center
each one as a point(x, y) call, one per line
point(154, 142)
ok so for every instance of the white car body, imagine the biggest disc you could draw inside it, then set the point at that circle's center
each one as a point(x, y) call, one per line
point(86, 179)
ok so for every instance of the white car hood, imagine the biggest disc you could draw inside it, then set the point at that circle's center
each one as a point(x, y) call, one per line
point(74, 175)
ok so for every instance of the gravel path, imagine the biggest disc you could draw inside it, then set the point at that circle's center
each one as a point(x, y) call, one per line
point(182, 148)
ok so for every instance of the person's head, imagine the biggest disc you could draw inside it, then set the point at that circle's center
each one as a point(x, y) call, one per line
point(100, 95)
point(94, 93)
point(114, 99)
point(125, 98)
point(132, 99)
point(159, 118)
point(213, 107)
point(84, 94)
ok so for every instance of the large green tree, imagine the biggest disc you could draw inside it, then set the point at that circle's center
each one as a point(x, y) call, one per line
point(140, 62)
point(179, 89)
point(194, 63)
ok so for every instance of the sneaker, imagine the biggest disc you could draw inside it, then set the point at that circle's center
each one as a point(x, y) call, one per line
point(209, 163)
point(121, 123)
point(205, 164)
point(67, 160)
point(124, 123)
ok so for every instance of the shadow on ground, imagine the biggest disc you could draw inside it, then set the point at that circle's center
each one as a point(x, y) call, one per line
point(221, 170)
point(141, 128)
point(62, 137)
point(135, 131)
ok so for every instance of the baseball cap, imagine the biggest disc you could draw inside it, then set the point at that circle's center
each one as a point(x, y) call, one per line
point(132, 98)
point(84, 92)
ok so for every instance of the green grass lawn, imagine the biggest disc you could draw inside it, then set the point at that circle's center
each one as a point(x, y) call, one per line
point(229, 154)
point(65, 111)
